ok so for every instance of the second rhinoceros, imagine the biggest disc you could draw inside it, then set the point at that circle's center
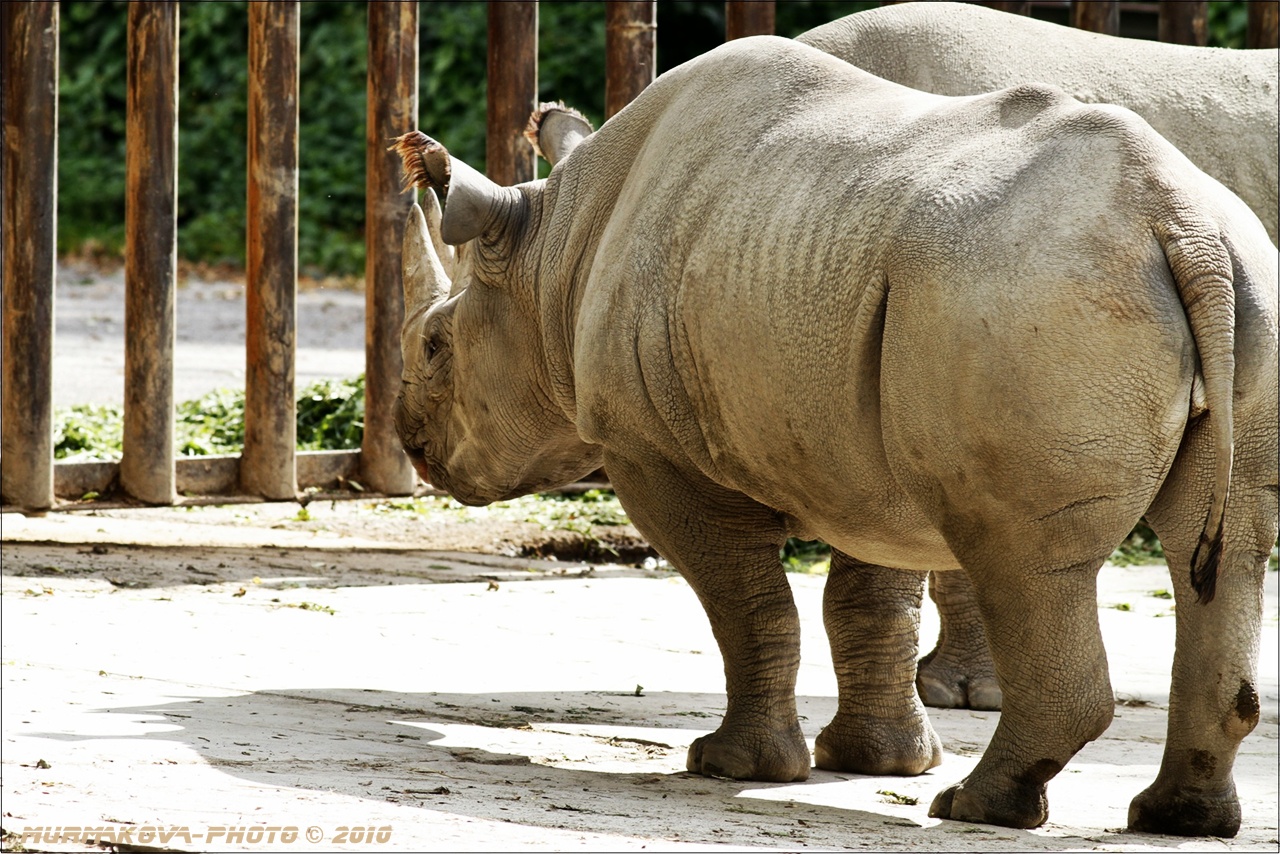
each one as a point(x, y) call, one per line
point(777, 296)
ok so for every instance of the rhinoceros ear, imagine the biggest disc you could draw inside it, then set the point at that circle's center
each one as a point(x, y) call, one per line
point(425, 281)
point(555, 130)
point(471, 199)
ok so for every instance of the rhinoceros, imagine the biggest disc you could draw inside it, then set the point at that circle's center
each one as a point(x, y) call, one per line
point(776, 295)
point(1217, 106)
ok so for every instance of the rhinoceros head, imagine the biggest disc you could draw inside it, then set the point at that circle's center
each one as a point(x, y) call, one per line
point(476, 413)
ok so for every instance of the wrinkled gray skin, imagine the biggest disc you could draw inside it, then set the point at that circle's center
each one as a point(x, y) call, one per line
point(1028, 313)
point(1217, 106)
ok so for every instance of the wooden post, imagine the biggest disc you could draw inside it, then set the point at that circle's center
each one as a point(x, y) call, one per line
point(1184, 22)
point(269, 465)
point(151, 241)
point(392, 111)
point(513, 90)
point(1013, 7)
point(631, 51)
point(1264, 25)
point(30, 194)
point(748, 18)
point(1097, 16)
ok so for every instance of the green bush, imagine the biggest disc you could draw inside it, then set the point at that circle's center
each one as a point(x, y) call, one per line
point(330, 418)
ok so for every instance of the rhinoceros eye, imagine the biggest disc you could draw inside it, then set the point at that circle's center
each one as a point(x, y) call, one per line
point(433, 346)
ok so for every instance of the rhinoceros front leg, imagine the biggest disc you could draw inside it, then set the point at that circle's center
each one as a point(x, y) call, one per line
point(1042, 624)
point(726, 546)
point(872, 616)
point(959, 672)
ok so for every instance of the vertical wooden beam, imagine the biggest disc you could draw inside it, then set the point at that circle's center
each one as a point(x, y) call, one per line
point(151, 241)
point(1264, 25)
point(631, 51)
point(513, 90)
point(1097, 16)
point(392, 111)
point(269, 463)
point(30, 193)
point(748, 18)
point(1184, 22)
point(1013, 7)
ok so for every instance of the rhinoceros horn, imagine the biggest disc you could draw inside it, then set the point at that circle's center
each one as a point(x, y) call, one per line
point(425, 279)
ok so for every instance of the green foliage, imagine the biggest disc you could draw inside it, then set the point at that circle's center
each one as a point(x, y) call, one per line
point(1141, 546)
point(330, 417)
point(212, 424)
point(1228, 23)
point(809, 556)
point(87, 432)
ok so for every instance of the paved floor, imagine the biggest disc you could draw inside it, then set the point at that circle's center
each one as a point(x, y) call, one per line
point(88, 358)
point(528, 705)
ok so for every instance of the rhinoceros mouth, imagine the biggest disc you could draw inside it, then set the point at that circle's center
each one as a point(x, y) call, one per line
point(418, 459)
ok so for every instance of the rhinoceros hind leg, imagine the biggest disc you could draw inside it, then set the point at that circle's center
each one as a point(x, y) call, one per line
point(959, 672)
point(872, 616)
point(1043, 627)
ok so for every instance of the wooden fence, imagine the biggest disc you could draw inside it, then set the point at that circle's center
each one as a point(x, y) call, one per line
point(270, 467)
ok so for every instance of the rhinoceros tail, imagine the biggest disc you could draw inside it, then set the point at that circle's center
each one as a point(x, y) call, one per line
point(1202, 271)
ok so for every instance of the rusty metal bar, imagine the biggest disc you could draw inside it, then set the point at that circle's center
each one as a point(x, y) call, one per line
point(748, 18)
point(631, 51)
point(30, 192)
point(151, 241)
point(1264, 25)
point(1184, 22)
point(513, 90)
point(1098, 16)
point(392, 111)
point(271, 243)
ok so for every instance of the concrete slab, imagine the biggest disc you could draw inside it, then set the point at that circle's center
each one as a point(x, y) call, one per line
point(492, 713)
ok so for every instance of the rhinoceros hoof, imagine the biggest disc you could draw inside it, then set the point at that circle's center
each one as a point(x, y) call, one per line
point(754, 756)
point(945, 687)
point(899, 748)
point(963, 802)
point(1177, 812)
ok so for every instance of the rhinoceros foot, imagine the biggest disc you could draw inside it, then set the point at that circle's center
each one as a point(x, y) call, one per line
point(1175, 809)
point(899, 747)
point(946, 687)
point(1020, 806)
point(754, 754)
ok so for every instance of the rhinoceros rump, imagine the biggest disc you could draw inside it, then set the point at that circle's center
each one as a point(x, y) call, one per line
point(777, 295)
point(1216, 106)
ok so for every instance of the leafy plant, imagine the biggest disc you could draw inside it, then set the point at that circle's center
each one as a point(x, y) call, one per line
point(330, 417)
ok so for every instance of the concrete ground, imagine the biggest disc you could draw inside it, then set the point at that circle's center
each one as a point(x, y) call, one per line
point(209, 353)
point(188, 687)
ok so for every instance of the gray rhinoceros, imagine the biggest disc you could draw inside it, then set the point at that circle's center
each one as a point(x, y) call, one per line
point(1217, 106)
point(777, 296)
